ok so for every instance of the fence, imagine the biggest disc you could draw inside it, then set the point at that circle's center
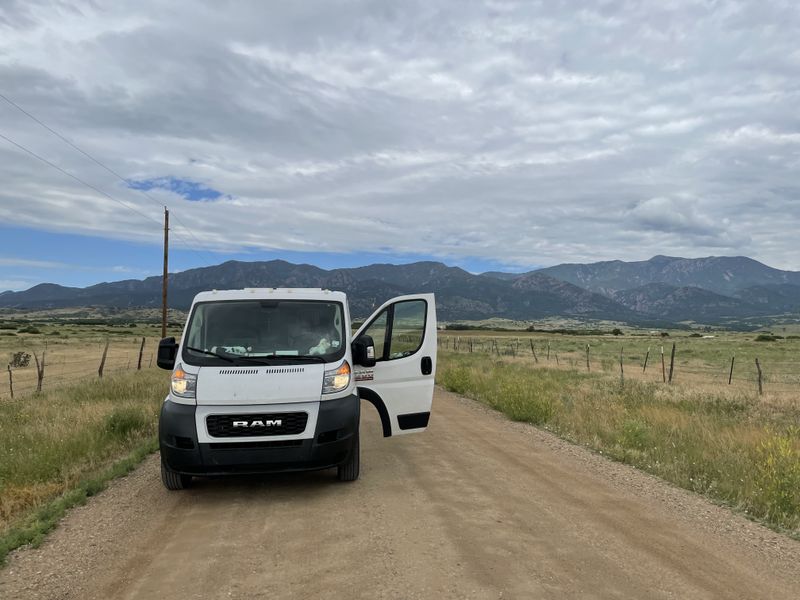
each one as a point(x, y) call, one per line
point(756, 369)
point(41, 367)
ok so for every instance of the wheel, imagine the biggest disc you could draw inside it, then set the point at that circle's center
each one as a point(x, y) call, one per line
point(173, 480)
point(348, 470)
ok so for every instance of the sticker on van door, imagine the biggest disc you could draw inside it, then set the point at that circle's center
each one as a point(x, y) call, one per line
point(365, 375)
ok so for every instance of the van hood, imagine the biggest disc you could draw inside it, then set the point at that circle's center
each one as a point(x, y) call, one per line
point(259, 384)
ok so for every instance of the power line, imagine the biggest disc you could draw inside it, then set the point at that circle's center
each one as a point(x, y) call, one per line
point(101, 165)
point(78, 179)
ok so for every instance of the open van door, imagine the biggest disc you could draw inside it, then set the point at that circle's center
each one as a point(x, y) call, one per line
point(400, 384)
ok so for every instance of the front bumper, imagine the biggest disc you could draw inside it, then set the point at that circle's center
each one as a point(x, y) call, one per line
point(331, 445)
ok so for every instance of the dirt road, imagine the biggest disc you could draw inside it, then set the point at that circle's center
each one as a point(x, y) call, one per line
point(477, 507)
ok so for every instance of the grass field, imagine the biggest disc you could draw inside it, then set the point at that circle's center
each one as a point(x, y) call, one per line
point(728, 445)
point(703, 363)
point(72, 351)
point(64, 444)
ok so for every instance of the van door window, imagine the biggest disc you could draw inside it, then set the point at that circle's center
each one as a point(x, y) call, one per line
point(408, 327)
point(377, 331)
point(405, 324)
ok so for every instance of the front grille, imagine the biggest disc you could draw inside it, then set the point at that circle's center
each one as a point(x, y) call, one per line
point(259, 424)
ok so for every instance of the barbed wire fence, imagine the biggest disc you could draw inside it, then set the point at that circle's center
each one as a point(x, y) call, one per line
point(36, 368)
point(665, 363)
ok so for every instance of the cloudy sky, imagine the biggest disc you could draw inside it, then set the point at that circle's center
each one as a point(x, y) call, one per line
point(485, 134)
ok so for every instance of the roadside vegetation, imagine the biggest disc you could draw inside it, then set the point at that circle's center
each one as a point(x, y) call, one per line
point(60, 446)
point(731, 446)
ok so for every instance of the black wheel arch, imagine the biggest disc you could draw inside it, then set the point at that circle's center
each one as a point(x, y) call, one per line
point(373, 398)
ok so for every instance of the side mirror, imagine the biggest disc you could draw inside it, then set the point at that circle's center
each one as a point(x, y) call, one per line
point(364, 351)
point(167, 351)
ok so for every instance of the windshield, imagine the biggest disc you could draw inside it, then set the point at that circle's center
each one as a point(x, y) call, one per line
point(240, 331)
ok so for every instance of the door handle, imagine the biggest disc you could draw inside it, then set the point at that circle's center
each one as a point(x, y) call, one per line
point(426, 365)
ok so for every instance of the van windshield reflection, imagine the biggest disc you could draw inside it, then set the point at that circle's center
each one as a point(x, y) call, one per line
point(264, 331)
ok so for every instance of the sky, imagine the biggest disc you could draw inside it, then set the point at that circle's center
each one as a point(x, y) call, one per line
point(490, 135)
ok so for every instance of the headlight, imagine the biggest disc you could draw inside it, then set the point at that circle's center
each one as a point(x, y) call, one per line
point(184, 385)
point(337, 379)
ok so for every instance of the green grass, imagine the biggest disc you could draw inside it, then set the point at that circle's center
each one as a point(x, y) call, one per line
point(33, 529)
point(57, 447)
point(725, 445)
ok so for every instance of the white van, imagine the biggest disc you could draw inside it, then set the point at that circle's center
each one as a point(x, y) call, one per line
point(270, 379)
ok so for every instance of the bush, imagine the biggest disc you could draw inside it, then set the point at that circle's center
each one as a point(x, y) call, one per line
point(695, 335)
point(7, 326)
point(20, 360)
point(617, 331)
point(29, 329)
point(766, 337)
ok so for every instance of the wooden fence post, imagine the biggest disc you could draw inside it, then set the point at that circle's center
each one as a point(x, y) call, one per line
point(663, 368)
point(760, 389)
point(548, 350)
point(10, 381)
point(646, 356)
point(587, 357)
point(102, 361)
point(556, 353)
point(39, 370)
point(533, 351)
point(671, 362)
point(151, 360)
point(621, 370)
point(730, 375)
point(139, 363)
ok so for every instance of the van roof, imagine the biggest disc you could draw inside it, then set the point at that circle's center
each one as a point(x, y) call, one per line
point(272, 293)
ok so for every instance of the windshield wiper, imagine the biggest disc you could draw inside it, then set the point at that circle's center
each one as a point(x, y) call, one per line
point(291, 357)
point(230, 360)
point(305, 357)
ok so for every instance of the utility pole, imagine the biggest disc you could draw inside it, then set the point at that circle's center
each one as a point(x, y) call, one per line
point(164, 278)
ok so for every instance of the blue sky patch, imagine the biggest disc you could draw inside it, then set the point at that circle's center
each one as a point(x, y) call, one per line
point(191, 190)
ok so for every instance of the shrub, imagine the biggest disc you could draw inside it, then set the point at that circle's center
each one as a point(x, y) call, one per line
point(28, 329)
point(695, 335)
point(766, 337)
point(20, 360)
point(617, 331)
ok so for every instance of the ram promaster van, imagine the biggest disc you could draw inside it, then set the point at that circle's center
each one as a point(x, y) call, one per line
point(267, 380)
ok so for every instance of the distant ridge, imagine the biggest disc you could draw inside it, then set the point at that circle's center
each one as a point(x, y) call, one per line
point(703, 290)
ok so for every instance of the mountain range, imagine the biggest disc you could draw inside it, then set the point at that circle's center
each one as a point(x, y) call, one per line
point(712, 290)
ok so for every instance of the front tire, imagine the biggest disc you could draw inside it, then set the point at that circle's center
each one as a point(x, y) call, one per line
point(349, 470)
point(172, 480)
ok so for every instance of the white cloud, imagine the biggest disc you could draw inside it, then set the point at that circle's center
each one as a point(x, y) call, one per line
point(14, 285)
point(528, 133)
